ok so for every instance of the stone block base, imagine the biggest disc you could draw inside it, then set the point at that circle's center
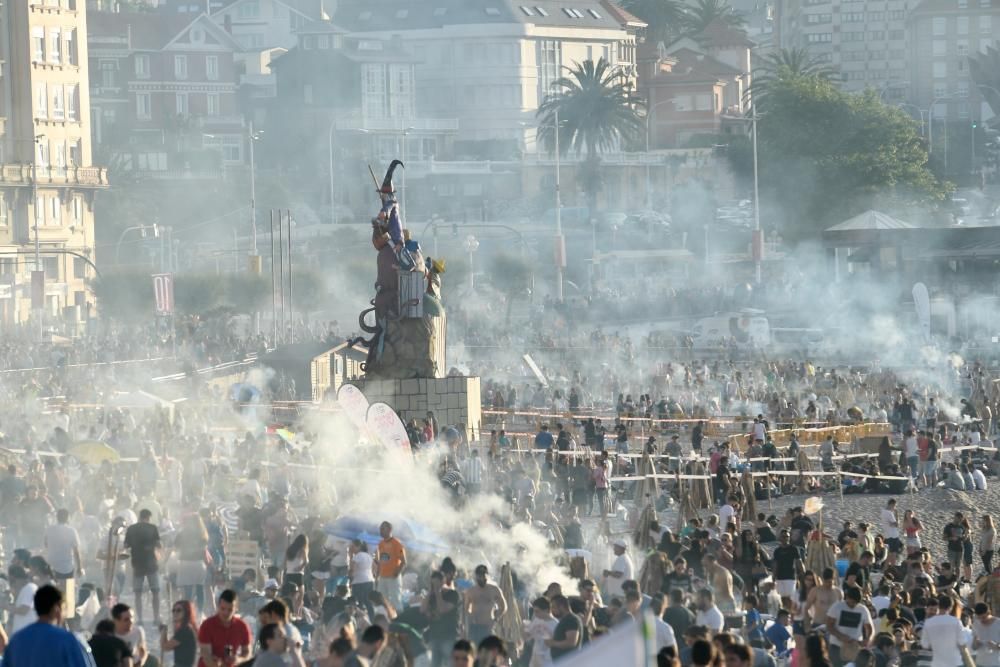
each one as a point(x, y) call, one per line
point(453, 400)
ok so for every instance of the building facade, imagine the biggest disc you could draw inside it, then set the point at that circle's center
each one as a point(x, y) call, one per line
point(864, 41)
point(47, 179)
point(164, 89)
point(943, 35)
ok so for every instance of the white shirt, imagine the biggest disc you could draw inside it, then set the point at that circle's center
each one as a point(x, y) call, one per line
point(25, 598)
point(60, 540)
point(758, 431)
point(986, 656)
point(911, 446)
point(888, 519)
point(135, 638)
point(624, 565)
point(664, 634)
point(361, 568)
point(942, 634)
point(980, 479)
point(880, 602)
point(726, 514)
point(711, 619)
point(850, 622)
point(540, 630)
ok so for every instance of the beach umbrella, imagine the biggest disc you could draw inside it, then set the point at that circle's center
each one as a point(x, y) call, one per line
point(510, 627)
point(641, 536)
point(805, 466)
point(749, 512)
point(92, 452)
point(685, 510)
point(819, 554)
point(647, 490)
point(701, 489)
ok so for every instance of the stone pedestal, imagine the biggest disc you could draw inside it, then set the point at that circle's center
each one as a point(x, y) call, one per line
point(453, 400)
point(411, 348)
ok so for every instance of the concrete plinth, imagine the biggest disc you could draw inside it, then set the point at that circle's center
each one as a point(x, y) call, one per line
point(453, 400)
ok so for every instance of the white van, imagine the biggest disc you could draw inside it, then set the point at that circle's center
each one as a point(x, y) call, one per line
point(748, 327)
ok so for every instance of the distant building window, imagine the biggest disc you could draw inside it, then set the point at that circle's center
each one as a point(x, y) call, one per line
point(963, 25)
point(939, 48)
point(55, 46)
point(939, 26)
point(41, 100)
point(249, 9)
point(541, 11)
point(211, 67)
point(527, 11)
point(58, 106)
point(143, 107)
point(985, 24)
point(71, 55)
point(4, 220)
point(181, 67)
point(596, 14)
point(182, 104)
point(212, 104)
point(323, 42)
point(819, 37)
point(141, 66)
point(940, 70)
point(38, 44)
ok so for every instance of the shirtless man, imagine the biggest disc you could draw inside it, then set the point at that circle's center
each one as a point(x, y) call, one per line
point(721, 581)
point(484, 604)
point(821, 598)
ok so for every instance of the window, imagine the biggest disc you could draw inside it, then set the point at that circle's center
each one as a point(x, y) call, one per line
point(41, 101)
point(549, 65)
point(181, 67)
point(212, 67)
point(939, 26)
point(38, 44)
point(58, 106)
point(212, 104)
point(249, 9)
point(853, 56)
point(74, 153)
point(985, 24)
point(182, 104)
point(60, 157)
point(401, 93)
point(897, 15)
point(541, 11)
point(323, 42)
point(962, 47)
point(71, 54)
point(940, 90)
point(593, 12)
point(79, 266)
point(818, 18)
point(876, 16)
point(963, 25)
point(852, 17)
point(374, 101)
point(55, 46)
point(143, 107)
point(939, 48)
point(527, 11)
point(819, 37)
point(308, 41)
point(142, 66)
point(50, 265)
point(197, 36)
point(985, 44)
point(55, 215)
point(3, 212)
point(852, 37)
point(897, 35)
point(940, 70)
point(682, 103)
point(107, 74)
point(962, 89)
point(876, 36)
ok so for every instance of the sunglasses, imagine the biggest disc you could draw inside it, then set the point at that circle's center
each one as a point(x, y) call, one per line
point(178, 610)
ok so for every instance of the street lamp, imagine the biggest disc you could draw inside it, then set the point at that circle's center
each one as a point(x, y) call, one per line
point(254, 137)
point(649, 115)
point(39, 138)
point(930, 122)
point(142, 229)
point(920, 112)
point(471, 246)
point(333, 204)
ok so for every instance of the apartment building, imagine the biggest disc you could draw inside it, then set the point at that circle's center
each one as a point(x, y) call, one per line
point(490, 63)
point(943, 34)
point(47, 180)
point(864, 41)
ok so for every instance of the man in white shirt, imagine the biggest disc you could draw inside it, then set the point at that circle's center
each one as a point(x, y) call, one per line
point(540, 628)
point(728, 513)
point(130, 633)
point(986, 637)
point(890, 527)
point(850, 624)
point(22, 611)
point(664, 632)
point(912, 452)
point(62, 547)
point(621, 570)
point(943, 635)
point(708, 614)
point(979, 479)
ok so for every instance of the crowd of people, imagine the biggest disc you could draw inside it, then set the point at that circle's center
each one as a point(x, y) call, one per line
point(146, 540)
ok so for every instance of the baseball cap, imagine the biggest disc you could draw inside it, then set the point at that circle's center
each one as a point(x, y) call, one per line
point(620, 543)
point(271, 583)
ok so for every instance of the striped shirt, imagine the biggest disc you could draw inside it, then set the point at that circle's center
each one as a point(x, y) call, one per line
point(472, 470)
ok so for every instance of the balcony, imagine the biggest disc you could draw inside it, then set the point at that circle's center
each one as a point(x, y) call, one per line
point(397, 125)
point(84, 177)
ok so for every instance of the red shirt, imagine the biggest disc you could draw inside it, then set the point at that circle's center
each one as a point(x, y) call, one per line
point(213, 632)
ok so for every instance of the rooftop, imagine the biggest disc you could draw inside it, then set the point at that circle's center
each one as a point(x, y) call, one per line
point(383, 15)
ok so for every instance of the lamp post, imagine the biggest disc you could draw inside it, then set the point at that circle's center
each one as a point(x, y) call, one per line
point(471, 246)
point(254, 136)
point(930, 123)
point(142, 230)
point(39, 138)
point(560, 249)
point(920, 112)
point(333, 204)
point(649, 186)
point(757, 240)
point(402, 185)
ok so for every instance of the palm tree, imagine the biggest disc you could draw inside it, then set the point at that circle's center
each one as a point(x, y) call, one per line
point(597, 110)
point(698, 17)
point(786, 64)
point(665, 17)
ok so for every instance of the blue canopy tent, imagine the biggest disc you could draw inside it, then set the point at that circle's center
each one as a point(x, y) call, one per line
point(415, 537)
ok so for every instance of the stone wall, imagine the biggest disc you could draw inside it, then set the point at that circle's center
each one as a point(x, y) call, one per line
point(413, 348)
point(453, 400)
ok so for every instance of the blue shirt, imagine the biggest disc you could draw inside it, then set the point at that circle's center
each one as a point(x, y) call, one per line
point(543, 440)
point(45, 644)
point(754, 624)
point(778, 635)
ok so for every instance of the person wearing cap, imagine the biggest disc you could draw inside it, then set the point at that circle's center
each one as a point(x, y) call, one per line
point(621, 570)
point(271, 589)
point(986, 637)
point(943, 635)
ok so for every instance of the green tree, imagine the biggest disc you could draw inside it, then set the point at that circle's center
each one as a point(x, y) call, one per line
point(597, 111)
point(704, 13)
point(665, 17)
point(825, 155)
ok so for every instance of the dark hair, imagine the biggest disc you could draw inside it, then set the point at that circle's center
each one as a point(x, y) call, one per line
point(493, 643)
point(119, 609)
point(463, 645)
point(267, 633)
point(541, 603)
point(145, 515)
point(741, 651)
point(816, 649)
point(852, 593)
point(228, 595)
point(702, 652)
point(373, 634)
point(105, 626)
point(16, 572)
point(275, 608)
point(47, 598)
point(560, 600)
point(300, 543)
